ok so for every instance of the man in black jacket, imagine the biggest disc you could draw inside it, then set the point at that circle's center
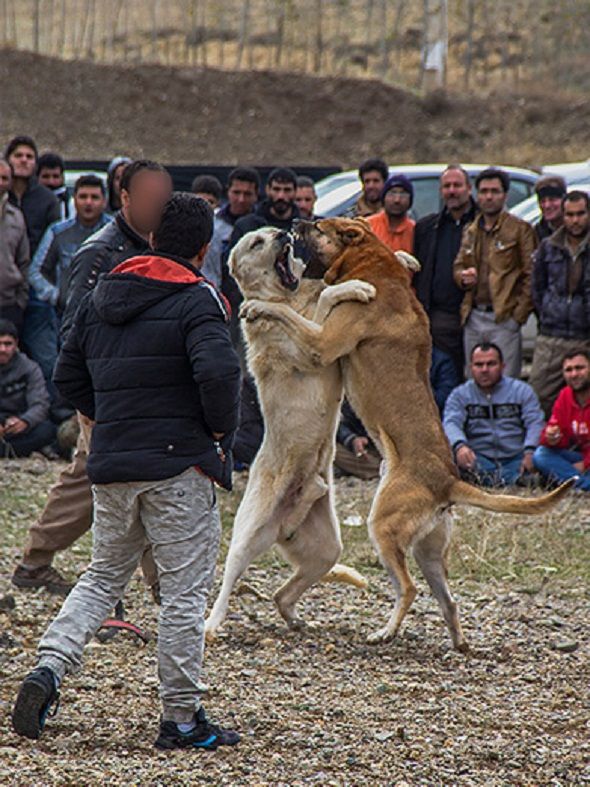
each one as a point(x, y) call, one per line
point(437, 238)
point(145, 187)
point(149, 359)
point(277, 210)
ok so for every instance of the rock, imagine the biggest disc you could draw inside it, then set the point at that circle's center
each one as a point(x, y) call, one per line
point(565, 645)
point(7, 603)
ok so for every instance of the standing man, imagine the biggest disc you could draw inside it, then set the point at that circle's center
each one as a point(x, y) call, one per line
point(50, 173)
point(68, 512)
point(565, 443)
point(437, 239)
point(305, 197)
point(277, 210)
point(150, 347)
point(243, 185)
point(14, 255)
point(50, 266)
point(209, 188)
point(550, 191)
point(493, 267)
point(493, 423)
point(392, 225)
point(561, 294)
point(372, 173)
point(40, 208)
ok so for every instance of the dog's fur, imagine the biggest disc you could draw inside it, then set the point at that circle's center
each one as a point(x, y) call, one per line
point(384, 347)
point(288, 499)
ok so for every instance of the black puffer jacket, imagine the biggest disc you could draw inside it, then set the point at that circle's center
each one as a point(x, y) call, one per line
point(562, 299)
point(102, 252)
point(40, 208)
point(149, 358)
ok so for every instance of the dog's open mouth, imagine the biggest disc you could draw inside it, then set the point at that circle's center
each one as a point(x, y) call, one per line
point(283, 269)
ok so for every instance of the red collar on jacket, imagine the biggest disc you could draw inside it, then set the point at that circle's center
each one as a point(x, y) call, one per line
point(160, 268)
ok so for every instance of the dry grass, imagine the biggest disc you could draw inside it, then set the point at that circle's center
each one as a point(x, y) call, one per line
point(320, 706)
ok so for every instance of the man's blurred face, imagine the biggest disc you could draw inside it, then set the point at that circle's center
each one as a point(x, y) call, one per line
point(8, 348)
point(576, 218)
point(305, 198)
point(454, 189)
point(210, 198)
point(491, 196)
point(486, 368)
point(396, 202)
point(23, 161)
point(372, 185)
point(52, 177)
point(144, 202)
point(282, 196)
point(89, 202)
point(5, 178)
point(242, 196)
point(576, 373)
point(551, 209)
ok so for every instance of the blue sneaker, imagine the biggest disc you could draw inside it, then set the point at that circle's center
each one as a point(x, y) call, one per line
point(33, 704)
point(203, 736)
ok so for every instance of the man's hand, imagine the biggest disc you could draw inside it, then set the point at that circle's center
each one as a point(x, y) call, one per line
point(218, 435)
point(15, 425)
point(359, 446)
point(553, 434)
point(468, 277)
point(527, 466)
point(465, 458)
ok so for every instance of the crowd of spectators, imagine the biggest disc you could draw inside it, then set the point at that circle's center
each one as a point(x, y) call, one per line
point(483, 271)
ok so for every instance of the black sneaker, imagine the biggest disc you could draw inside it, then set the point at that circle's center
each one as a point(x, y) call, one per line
point(35, 698)
point(204, 736)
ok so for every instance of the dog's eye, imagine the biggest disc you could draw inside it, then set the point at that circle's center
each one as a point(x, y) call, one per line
point(257, 242)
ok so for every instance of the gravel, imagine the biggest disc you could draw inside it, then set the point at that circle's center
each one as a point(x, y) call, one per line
point(320, 706)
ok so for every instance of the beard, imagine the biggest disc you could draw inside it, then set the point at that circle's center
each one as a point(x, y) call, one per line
point(281, 207)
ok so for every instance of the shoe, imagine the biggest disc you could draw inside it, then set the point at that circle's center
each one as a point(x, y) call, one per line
point(41, 577)
point(204, 736)
point(35, 698)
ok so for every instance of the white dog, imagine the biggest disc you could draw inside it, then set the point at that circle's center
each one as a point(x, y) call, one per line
point(289, 497)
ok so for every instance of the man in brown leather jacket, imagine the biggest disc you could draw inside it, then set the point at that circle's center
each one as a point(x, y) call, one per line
point(494, 268)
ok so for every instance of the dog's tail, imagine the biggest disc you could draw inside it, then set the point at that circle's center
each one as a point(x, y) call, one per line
point(466, 494)
point(345, 574)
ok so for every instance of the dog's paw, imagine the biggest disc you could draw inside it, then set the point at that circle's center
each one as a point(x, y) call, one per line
point(381, 635)
point(210, 632)
point(364, 292)
point(252, 310)
point(408, 260)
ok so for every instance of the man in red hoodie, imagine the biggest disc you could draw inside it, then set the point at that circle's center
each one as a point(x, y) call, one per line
point(564, 451)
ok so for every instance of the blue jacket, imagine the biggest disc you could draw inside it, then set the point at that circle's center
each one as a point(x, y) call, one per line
point(560, 293)
point(149, 358)
point(498, 426)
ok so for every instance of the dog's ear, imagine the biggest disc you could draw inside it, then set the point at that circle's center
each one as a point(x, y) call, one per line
point(352, 233)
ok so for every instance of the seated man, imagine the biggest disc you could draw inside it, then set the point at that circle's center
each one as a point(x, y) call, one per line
point(492, 422)
point(565, 442)
point(24, 401)
point(356, 453)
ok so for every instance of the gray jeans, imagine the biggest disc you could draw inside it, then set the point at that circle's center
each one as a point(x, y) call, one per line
point(482, 327)
point(179, 518)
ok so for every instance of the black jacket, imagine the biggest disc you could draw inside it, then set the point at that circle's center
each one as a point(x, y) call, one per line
point(426, 238)
point(40, 208)
point(149, 359)
point(561, 298)
point(251, 431)
point(103, 251)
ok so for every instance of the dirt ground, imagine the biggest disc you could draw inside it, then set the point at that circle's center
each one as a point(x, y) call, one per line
point(320, 706)
point(208, 116)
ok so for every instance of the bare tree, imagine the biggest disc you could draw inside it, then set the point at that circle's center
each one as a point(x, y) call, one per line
point(243, 35)
point(469, 42)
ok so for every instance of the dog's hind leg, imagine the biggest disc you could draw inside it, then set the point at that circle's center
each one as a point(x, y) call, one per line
point(431, 555)
point(313, 550)
point(255, 531)
point(394, 518)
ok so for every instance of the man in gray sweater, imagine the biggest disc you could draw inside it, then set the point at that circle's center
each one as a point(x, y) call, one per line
point(24, 401)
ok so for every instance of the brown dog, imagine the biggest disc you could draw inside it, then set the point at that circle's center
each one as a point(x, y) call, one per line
point(384, 347)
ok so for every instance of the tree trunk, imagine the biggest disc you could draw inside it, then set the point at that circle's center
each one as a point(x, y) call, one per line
point(243, 39)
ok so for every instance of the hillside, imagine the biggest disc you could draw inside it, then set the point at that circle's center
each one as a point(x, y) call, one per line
point(199, 115)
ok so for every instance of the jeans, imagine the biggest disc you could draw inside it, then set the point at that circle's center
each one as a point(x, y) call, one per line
point(32, 440)
point(39, 337)
point(493, 472)
point(179, 518)
point(557, 464)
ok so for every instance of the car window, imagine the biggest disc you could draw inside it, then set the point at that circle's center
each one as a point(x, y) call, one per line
point(426, 196)
point(519, 190)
